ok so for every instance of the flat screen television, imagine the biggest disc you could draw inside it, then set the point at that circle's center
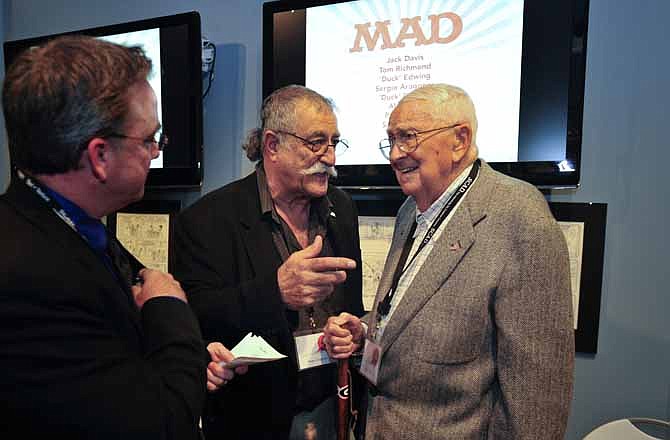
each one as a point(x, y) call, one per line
point(174, 45)
point(521, 61)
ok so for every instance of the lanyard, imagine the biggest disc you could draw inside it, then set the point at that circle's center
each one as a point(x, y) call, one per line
point(109, 259)
point(384, 306)
point(54, 205)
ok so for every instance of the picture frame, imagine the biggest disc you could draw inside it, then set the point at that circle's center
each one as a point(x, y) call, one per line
point(587, 219)
point(590, 218)
point(376, 218)
point(145, 228)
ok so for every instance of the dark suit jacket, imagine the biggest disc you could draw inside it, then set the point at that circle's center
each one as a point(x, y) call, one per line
point(78, 360)
point(481, 345)
point(227, 263)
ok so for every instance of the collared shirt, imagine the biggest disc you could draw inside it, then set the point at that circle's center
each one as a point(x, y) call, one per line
point(315, 384)
point(286, 243)
point(283, 237)
point(90, 228)
point(423, 223)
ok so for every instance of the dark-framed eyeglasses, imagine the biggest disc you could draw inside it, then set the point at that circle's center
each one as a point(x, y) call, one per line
point(320, 146)
point(408, 142)
point(148, 143)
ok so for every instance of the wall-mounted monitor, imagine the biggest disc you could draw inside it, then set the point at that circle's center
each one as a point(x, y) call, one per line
point(521, 61)
point(174, 45)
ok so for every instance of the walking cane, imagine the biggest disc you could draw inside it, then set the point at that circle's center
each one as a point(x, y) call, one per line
point(343, 399)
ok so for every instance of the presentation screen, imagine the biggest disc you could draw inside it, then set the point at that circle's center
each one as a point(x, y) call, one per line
point(384, 59)
point(149, 40)
point(174, 45)
point(521, 62)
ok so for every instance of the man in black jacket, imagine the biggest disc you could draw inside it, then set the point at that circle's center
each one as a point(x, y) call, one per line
point(92, 345)
point(275, 253)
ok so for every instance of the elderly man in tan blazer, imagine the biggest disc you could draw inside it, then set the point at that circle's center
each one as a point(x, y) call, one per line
point(474, 325)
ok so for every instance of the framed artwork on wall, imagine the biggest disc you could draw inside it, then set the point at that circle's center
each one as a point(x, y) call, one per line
point(376, 217)
point(145, 229)
point(583, 225)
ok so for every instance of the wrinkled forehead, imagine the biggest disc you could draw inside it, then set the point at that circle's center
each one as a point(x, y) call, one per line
point(413, 115)
point(315, 119)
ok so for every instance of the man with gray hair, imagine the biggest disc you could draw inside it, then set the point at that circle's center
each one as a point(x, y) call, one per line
point(275, 253)
point(472, 321)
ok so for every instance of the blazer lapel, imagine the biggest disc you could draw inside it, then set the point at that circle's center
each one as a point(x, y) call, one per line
point(402, 228)
point(257, 236)
point(260, 249)
point(59, 234)
point(340, 239)
point(446, 254)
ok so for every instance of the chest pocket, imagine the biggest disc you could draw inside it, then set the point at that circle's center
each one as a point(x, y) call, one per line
point(450, 329)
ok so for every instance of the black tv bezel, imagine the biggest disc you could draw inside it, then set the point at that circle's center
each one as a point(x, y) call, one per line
point(543, 174)
point(178, 177)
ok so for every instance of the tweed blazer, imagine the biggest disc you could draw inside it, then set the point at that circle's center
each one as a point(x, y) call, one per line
point(481, 345)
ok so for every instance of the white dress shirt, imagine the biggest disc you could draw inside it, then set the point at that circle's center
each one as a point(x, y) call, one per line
point(423, 223)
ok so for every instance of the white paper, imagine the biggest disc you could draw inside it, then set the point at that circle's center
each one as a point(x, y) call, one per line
point(574, 236)
point(252, 349)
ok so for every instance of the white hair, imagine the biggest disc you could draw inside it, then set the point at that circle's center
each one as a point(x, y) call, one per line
point(449, 103)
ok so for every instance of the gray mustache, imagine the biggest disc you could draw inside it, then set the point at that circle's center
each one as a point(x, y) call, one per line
point(320, 167)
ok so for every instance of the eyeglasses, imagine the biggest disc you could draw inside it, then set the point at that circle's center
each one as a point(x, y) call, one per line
point(408, 141)
point(148, 143)
point(320, 146)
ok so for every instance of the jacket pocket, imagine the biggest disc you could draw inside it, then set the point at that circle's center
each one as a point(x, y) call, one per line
point(450, 334)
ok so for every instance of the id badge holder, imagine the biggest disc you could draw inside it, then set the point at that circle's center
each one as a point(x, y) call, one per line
point(310, 350)
point(371, 361)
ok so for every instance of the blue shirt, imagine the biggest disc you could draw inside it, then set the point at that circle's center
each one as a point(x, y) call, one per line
point(90, 228)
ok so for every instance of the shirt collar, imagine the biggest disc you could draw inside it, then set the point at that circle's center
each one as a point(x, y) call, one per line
point(90, 228)
point(72, 210)
point(424, 219)
point(267, 206)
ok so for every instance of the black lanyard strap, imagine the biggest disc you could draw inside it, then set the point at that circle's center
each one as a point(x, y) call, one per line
point(51, 203)
point(117, 258)
point(384, 306)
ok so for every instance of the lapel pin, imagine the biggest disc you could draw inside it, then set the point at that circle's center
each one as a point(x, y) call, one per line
point(455, 246)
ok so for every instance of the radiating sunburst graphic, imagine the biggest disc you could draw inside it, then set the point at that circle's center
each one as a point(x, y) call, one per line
point(486, 23)
point(368, 67)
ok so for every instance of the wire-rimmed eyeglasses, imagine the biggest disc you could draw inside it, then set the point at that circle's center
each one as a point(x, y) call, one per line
point(148, 143)
point(320, 146)
point(408, 141)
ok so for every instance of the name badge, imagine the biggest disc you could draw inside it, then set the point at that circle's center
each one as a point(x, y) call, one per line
point(371, 361)
point(311, 351)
